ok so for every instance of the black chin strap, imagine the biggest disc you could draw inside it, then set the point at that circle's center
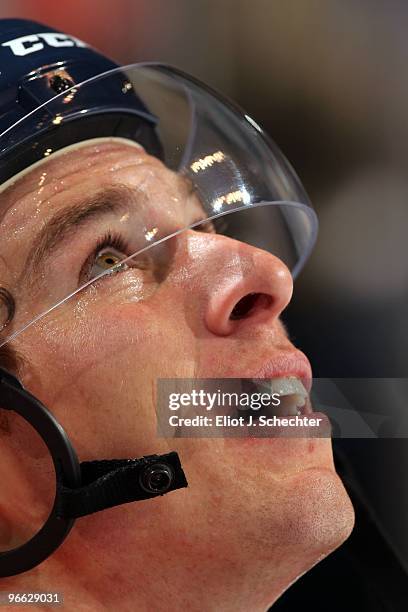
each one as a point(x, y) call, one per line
point(81, 488)
point(113, 482)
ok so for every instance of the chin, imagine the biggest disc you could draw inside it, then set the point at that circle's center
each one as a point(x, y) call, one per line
point(320, 511)
point(318, 518)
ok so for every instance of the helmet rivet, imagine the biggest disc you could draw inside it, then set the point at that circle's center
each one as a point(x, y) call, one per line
point(156, 478)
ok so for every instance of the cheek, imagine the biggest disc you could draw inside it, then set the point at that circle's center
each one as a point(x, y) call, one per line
point(98, 373)
point(101, 337)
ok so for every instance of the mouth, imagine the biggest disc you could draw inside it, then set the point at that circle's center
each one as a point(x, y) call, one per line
point(288, 364)
point(288, 397)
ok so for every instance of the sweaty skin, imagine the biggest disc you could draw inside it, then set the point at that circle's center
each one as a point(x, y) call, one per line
point(257, 513)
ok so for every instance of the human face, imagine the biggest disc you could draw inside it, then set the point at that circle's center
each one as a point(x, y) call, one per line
point(265, 508)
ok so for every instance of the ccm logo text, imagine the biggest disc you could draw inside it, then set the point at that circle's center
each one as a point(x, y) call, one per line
point(35, 42)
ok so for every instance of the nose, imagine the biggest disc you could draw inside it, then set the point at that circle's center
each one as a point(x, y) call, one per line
point(242, 286)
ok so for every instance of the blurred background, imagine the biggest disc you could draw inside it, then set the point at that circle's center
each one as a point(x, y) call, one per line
point(327, 79)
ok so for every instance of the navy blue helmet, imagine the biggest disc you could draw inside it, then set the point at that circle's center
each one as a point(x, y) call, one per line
point(37, 64)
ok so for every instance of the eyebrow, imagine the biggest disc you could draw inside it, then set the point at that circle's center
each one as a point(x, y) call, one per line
point(110, 200)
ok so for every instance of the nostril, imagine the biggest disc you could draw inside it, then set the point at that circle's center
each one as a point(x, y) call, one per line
point(249, 303)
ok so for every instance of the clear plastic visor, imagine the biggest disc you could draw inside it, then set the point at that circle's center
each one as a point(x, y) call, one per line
point(107, 206)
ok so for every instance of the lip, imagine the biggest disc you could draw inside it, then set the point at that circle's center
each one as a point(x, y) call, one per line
point(293, 363)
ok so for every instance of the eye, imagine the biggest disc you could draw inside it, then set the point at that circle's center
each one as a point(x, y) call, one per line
point(105, 259)
point(107, 254)
point(219, 225)
point(207, 227)
point(108, 257)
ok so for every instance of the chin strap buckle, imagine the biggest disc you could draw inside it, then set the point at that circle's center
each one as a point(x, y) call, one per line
point(111, 482)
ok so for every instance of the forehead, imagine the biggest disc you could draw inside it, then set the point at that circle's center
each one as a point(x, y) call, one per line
point(42, 185)
point(55, 213)
point(69, 177)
